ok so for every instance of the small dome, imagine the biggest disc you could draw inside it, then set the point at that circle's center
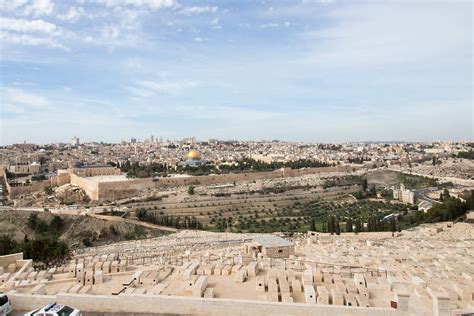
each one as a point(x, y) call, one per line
point(194, 154)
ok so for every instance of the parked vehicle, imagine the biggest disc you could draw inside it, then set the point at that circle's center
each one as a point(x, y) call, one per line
point(55, 309)
point(5, 305)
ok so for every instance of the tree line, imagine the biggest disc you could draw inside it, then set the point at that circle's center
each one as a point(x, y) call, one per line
point(45, 249)
point(186, 222)
point(136, 170)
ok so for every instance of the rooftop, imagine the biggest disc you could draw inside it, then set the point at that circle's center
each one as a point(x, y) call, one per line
point(272, 241)
point(109, 178)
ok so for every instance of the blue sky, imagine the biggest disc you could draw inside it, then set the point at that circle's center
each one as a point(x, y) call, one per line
point(303, 70)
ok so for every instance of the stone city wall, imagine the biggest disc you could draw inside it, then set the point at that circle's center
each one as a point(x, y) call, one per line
point(129, 188)
point(150, 304)
point(123, 189)
point(89, 186)
point(15, 191)
point(95, 171)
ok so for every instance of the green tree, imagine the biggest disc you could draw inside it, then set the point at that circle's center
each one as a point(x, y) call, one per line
point(349, 228)
point(312, 226)
point(364, 184)
point(7, 245)
point(191, 190)
point(141, 214)
point(48, 190)
point(393, 225)
point(32, 219)
point(332, 225)
point(56, 224)
point(41, 226)
point(337, 228)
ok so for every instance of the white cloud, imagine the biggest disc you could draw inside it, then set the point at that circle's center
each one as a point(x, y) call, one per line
point(145, 4)
point(215, 24)
point(30, 40)
point(200, 39)
point(11, 5)
point(18, 97)
point(269, 25)
point(72, 15)
point(110, 33)
point(198, 10)
point(39, 7)
point(166, 86)
point(29, 26)
point(147, 88)
point(394, 32)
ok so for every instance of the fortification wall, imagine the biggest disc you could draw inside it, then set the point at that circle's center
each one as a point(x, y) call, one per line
point(123, 189)
point(60, 179)
point(150, 304)
point(15, 191)
point(89, 186)
point(95, 171)
point(129, 188)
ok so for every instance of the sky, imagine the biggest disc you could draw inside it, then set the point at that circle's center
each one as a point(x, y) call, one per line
point(302, 70)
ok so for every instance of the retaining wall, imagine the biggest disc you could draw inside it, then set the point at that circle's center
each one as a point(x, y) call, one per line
point(128, 304)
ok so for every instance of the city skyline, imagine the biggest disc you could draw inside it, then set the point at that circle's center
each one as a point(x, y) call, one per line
point(313, 71)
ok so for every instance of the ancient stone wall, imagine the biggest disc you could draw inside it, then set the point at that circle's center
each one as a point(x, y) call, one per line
point(15, 191)
point(91, 187)
point(123, 189)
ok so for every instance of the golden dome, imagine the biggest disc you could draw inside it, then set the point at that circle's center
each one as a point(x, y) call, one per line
point(194, 154)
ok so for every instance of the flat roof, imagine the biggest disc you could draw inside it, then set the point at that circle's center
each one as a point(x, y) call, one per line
point(272, 241)
point(109, 178)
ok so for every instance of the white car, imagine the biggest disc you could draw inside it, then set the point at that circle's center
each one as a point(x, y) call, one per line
point(55, 309)
point(5, 305)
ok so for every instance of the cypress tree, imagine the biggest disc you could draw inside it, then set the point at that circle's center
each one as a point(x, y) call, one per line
point(349, 225)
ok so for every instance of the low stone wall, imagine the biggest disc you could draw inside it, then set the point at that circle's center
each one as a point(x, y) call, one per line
point(9, 259)
point(128, 304)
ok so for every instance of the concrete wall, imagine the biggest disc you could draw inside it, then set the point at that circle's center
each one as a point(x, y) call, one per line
point(128, 304)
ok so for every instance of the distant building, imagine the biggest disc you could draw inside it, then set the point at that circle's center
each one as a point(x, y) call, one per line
point(194, 160)
point(404, 195)
point(75, 141)
point(23, 165)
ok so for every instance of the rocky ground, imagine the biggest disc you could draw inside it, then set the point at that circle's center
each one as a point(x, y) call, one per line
point(74, 228)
